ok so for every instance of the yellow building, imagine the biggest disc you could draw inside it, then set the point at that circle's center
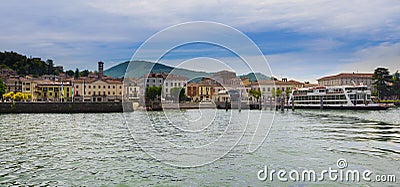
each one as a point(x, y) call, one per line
point(205, 92)
point(98, 90)
point(52, 91)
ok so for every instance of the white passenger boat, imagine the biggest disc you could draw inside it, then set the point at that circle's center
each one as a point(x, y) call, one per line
point(334, 97)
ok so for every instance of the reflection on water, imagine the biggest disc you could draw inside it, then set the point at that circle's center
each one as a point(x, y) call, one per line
point(97, 149)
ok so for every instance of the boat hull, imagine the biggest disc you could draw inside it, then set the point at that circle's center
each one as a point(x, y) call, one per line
point(360, 107)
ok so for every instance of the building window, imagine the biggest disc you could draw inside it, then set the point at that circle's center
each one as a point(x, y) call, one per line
point(104, 87)
point(113, 87)
point(77, 86)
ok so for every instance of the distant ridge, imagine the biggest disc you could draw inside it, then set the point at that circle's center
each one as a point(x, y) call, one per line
point(254, 76)
point(139, 68)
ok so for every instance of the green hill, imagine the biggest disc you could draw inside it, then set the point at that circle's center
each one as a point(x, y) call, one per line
point(139, 68)
point(252, 76)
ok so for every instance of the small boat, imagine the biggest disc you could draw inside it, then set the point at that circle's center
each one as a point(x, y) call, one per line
point(351, 97)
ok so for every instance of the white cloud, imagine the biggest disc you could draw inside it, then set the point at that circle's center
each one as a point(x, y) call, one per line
point(366, 60)
point(81, 32)
point(346, 17)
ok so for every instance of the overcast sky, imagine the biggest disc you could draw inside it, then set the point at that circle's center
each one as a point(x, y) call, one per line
point(300, 39)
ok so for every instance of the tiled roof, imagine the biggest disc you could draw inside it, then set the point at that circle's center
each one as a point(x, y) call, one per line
point(175, 77)
point(271, 82)
point(347, 75)
point(91, 80)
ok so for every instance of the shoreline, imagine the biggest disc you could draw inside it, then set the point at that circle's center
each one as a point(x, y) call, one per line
point(118, 107)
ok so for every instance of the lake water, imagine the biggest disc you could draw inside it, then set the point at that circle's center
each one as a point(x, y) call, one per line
point(100, 149)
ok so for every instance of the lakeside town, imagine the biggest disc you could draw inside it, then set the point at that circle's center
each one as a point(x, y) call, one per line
point(171, 88)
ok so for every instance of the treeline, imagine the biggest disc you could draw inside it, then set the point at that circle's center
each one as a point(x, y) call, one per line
point(76, 74)
point(23, 65)
point(387, 86)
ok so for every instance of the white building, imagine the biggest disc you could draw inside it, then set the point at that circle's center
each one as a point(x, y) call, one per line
point(347, 79)
point(267, 87)
point(173, 81)
point(132, 89)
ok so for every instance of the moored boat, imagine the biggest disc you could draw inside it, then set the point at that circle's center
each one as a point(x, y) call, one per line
point(353, 97)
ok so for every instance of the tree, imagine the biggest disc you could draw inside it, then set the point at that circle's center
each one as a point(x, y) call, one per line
point(288, 91)
point(76, 74)
point(396, 85)
point(276, 93)
point(255, 93)
point(84, 73)
point(19, 96)
point(182, 95)
point(381, 82)
point(24, 65)
point(50, 64)
point(70, 73)
point(178, 94)
point(8, 95)
point(2, 88)
point(174, 92)
point(153, 92)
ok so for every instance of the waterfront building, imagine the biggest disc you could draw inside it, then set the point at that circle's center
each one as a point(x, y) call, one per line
point(52, 91)
point(132, 89)
point(28, 86)
point(13, 84)
point(342, 79)
point(246, 82)
point(205, 92)
point(6, 72)
point(268, 87)
point(224, 77)
point(192, 91)
point(155, 79)
point(173, 81)
point(98, 88)
point(164, 80)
